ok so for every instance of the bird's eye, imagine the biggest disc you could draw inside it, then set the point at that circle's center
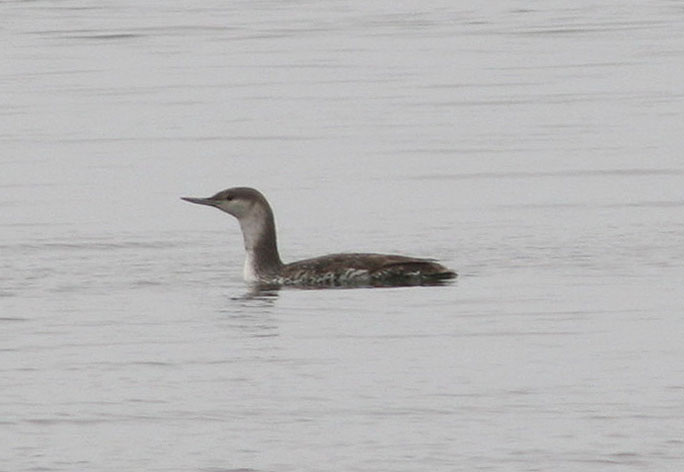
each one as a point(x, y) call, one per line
point(229, 197)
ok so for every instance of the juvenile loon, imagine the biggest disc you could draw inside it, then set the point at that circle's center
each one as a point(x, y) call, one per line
point(263, 264)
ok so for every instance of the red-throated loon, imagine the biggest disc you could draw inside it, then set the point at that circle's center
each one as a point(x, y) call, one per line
point(263, 264)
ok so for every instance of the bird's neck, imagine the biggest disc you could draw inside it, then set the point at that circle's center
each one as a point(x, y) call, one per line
point(258, 230)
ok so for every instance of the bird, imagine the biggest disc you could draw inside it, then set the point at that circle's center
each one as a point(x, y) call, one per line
point(264, 266)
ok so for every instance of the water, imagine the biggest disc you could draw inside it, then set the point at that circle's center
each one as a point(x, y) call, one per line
point(535, 148)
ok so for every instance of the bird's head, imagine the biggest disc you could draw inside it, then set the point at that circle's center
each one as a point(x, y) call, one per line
point(240, 202)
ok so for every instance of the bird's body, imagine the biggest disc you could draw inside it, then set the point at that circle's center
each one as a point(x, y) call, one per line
point(364, 269)
point(263, 264)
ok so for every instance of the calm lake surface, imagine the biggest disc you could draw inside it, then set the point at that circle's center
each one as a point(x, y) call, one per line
point(534, 147)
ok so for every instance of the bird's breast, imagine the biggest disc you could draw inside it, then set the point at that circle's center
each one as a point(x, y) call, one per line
point(249, 272)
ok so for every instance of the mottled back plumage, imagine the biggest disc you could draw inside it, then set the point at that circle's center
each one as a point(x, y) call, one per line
point(365, 269)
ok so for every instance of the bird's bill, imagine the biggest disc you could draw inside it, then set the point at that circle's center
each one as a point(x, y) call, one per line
point(200, 201)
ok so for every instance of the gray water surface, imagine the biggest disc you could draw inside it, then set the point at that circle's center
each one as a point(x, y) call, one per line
point(536, 148)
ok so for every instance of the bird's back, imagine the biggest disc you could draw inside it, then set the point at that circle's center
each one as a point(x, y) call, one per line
point(364, 269)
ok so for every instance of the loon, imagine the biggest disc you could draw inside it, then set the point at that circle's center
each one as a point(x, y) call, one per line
point(263, 264)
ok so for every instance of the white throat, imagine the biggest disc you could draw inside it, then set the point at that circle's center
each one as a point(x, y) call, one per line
point(252, 226)
point(249, 272)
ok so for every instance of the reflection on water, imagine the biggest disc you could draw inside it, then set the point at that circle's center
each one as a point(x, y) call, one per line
point(260, 294)
point(536, 149)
